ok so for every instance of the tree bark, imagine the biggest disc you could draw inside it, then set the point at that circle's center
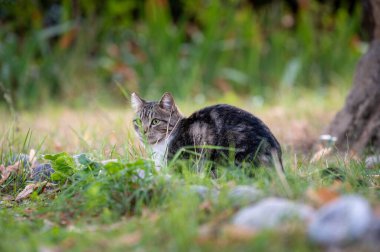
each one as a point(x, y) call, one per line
point(357, 125)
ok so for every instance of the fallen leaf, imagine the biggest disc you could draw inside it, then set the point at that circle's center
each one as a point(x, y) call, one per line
point(32, 156)
point(32, 160)
point(7, 171)
point(29, 189)
point(321, 196)
point(26, 192)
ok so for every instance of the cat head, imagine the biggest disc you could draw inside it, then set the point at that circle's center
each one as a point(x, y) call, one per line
point(154, 120)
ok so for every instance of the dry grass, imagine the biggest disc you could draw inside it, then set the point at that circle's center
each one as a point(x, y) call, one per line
point(83, 213)
point(295, 118)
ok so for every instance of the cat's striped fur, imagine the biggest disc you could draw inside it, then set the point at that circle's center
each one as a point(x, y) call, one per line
point(160, 125)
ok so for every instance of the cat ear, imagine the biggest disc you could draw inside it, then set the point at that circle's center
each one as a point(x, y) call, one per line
point(167, 102)
point(136, 101)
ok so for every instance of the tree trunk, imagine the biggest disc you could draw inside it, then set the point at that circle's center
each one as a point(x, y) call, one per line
point(357, 125)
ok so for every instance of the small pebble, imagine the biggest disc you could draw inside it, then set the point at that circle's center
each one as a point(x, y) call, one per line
point(204, 192)
point(372, 162)
point(243, 195)
point(341, 221)
point(271, 213)
point(42, 172)
point(374, 232)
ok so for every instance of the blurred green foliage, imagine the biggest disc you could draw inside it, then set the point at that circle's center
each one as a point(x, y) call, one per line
point(63, 165)
point(75, 50)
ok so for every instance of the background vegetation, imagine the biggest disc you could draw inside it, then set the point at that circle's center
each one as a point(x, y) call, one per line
point(80, 51)
point(67, 68)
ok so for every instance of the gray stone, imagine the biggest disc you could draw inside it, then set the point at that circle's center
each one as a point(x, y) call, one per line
point(372, 162)
point(243, 195)
point(204, 192)
point(200, 190)
point(42, 172)
point(373, 237)
point(271, 213)
point(342, 221)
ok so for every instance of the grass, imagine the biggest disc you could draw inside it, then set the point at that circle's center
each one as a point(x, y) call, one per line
point(108, 207)
point(63, 90)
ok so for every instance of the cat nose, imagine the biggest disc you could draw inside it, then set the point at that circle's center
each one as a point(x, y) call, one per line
point(145, 129)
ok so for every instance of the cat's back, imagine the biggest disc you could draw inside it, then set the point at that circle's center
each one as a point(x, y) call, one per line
point(225, 115)
point(227, 126)
point(223, 120)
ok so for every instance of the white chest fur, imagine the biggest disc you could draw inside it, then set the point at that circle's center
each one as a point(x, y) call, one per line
point(159, 153)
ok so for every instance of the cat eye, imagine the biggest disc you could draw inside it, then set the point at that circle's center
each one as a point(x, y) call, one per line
point(155, 122)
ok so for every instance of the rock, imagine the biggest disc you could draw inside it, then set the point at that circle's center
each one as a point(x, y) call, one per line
point(244, 195)
point(204, 192)
point(42, 172)
point(372, 162)
point(200, 190)
point(341, 221)
point(271, 213)
point(327, 140)
point(374, 232)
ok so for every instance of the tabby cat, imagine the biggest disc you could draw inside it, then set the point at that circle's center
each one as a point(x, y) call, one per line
point(214, 132)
